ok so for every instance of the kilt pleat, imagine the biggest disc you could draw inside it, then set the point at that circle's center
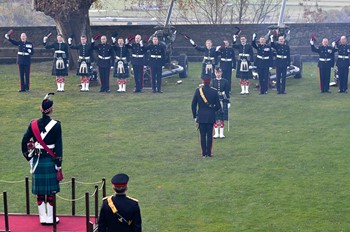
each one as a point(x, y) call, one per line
point(44, 179)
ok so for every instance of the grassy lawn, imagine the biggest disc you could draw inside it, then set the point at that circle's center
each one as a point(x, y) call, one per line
point(284, 165)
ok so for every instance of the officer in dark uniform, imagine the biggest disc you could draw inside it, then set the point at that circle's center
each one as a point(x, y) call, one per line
point(282, 62)
point(84, 61)
point(104, 62)
point(60, 61)
point(325, 63)
point(156, 62)
point(263, 62)
point(25, 51)
point(137, 61)
point(222, 86)
point(245, 60)
point(46, 170)
point(121, 64)
point(120, 212)
point(210, 59)
point(207, 100)
point(227, 61)
point(343, 63)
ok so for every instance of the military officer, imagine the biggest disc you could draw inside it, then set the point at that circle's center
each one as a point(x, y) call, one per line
point(245, 60)
point(222, 86)
point(84, 61)
point(104, 62)
point(282, 62)
point(263, 62)
point(343, 50)
point(120, 212)
point(137, 61)
point(121, 64)
point(156, 62)
point(205, 104)
point(325, 63)
point(210, 59)
point(25, 51)
point(60, 61)
point(227, 61)
point(46, 162)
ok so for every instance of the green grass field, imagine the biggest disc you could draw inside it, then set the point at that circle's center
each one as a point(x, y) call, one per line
point(284, 165)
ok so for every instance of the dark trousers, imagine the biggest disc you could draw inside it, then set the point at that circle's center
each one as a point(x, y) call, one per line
point(281, 73)
point(325, 75)
point(227, 74)
point(263, 79)
point(156, 72)
point(104, 78)
point(343, 73)
point(206, 133)
point(138, 76)
point(24, 75)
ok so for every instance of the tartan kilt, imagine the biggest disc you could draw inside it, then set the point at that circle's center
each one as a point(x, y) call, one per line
point(59, 72)
point(89, 71)
point(44, 179)
point(121, 75)
point(243, 75)
point(222, 115)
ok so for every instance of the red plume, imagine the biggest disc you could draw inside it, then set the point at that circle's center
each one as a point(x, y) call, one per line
point(96, 36)
point(131, 37)
point(313, 38)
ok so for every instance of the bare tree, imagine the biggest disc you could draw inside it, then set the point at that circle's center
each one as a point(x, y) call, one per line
point(312, 12)
point(263, 9)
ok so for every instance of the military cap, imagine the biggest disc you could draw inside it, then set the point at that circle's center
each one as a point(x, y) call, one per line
point(120, 180)
point(206, 77)
point(46, 104)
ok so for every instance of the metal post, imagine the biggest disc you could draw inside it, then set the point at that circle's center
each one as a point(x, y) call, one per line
point(104, 187)
point(73, 196)
point(87, 208)
point(27, 195)
point(281, 17)
point(54, 213)
point(7, 227)
point(96, 203)
point(169, 13)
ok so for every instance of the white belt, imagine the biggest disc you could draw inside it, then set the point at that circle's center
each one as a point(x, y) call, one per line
point(23, 53)
point(209, 58)
point(104, 58)
point(137, 56)
point(343, 57)
point(243, 54)
point(38, 146)
point(156, 56)
point(325, 59)
point(224, 59)
point(282, 57)
point(84, 57)
point(263, 57)
point(120, 58)
point(59, 51)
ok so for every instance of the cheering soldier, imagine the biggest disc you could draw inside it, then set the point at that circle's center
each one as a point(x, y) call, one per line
point(222, 86)
point(25, 51)
point(84, 61)
point(263, 62)
point(227, 61)
point(104, 62)
point(121, 66)
point(325, 63)
point(343, 50)
point(60, 61)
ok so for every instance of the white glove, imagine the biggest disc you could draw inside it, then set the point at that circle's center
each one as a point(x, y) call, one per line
point(29, 50)
point(114, 40)
point(233, 69)
point(192, 42)
point(271, 38)
point(7, 36)
point(228, 105)
point(67, 65)
point(217, 48)
point(195, 120)
point(70, 41)
point(234, 38)
point(91, 67)
point(141, 43)
point(92, 40)
point(112, 67)
point(45, 39)
point(126, 41)
point(311, 42)
point(333, 44)
point(254, 36)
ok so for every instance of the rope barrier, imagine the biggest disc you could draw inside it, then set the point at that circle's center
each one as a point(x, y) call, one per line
point(11, 182)
point(79, 182)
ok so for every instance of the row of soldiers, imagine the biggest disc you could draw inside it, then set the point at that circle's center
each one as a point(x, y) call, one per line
point(115, 56)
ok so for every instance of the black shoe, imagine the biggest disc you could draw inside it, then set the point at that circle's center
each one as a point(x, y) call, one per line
point(21, 90)
point(328, 91)
point(137, 91)
point(284, 93)
point(160, 91)
point(108, 91)
point(101, 91)
point(153, 91)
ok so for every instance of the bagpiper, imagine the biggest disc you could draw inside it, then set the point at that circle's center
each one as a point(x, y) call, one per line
point(227, 61)
point(343, 63)
point(121, 63)
point(60, 60)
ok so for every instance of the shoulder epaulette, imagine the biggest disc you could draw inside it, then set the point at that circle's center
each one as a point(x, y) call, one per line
point(134, 199)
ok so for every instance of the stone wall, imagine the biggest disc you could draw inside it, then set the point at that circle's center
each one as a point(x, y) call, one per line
point(300, 36)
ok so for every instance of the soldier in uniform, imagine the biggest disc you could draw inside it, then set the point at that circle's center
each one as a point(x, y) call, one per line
point(282, 62)
point(104, 62)
point(325, 63)
point(84, 61)
point(121, 66)
point(205, 104)
point(156, 62)
point(60, 61)
point(343, 63)
point(120, 212)
point(137, 61)
point(227, 61)
point(25, 51)
point(42, 147)
point(245, 60)
point(222, 86)
point(263, 62)
point(210, 59)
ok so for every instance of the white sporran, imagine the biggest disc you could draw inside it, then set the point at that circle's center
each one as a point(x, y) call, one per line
point(244, 66)
point(208, 69)
point(59, 63)
point(120, 67)
point(83, 67)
